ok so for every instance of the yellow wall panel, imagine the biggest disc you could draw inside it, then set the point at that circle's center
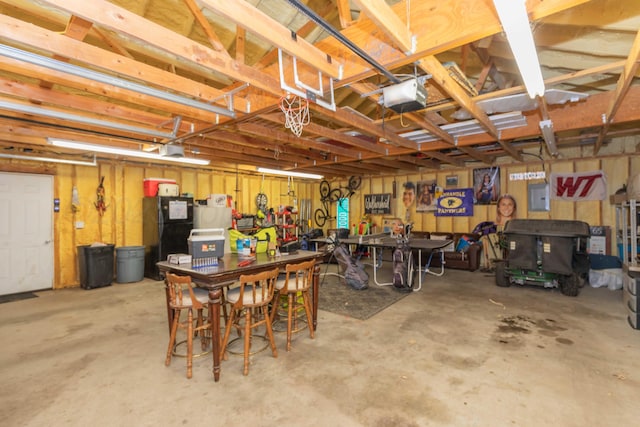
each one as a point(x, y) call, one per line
point(589, 211)
point(121, 224)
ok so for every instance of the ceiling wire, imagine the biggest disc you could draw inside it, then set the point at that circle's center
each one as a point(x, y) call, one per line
point(354, 48)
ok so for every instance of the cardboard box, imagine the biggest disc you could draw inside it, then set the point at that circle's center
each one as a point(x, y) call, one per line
point(217, 200)
point(600, 240)
point(615, 199)
point(179, 259)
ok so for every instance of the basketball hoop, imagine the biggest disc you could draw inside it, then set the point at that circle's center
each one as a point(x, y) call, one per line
point(296, 113)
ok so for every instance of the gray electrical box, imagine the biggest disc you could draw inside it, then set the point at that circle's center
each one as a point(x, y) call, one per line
point(539, 197)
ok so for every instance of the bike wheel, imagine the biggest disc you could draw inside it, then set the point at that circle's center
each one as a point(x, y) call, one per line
point(354, 183)
point(335, 195)
point(325, 188)
point(320, 217)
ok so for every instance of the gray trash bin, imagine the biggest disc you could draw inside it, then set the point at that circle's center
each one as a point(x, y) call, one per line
point(130, 264)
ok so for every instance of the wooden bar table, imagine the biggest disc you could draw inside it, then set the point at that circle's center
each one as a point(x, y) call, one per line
point(216, 277)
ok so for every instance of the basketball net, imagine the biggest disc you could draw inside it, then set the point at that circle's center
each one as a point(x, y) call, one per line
point(296, 113)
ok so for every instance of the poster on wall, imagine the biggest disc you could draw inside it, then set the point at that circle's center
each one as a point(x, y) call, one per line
point(455, 202)
point(486, 185)
point(427, 195)
point(342, 213)
point(377, 204)
point(408, 198)
point(579, 186)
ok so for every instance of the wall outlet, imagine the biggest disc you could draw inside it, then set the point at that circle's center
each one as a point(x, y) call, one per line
point(79, 224)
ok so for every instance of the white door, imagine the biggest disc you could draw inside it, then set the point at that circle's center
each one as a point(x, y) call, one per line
point(26, 232)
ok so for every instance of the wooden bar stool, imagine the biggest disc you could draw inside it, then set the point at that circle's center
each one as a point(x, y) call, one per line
point(182, 296)
point(250, 301)
point(295, 285)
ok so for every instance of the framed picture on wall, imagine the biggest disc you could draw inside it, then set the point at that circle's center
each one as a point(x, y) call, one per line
point(451, 181)
point(486, 185)
point(426, 200)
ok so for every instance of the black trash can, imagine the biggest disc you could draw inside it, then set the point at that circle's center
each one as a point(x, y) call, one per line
point(129, 264)
point(95, 264)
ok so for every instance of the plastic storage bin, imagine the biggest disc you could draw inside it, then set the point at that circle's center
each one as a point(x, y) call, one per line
point(95, 264)
point(130, 264)
point(150, 185)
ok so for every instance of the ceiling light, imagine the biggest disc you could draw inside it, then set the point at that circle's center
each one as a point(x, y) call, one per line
point(515, 23)
point(53, 64)
point(289, 173)
point(49, 159)
point(122, 151)
point(546, 126)
point(40, 111)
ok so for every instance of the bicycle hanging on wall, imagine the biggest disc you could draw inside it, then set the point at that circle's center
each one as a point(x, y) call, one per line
point(329, 196)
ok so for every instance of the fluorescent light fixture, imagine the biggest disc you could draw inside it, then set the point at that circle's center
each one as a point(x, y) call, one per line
point(546, 126)
point(515, 23)
point(122, 151)
point(35, 110)
point(49, 159)
point(289, 173)
point(53, 64)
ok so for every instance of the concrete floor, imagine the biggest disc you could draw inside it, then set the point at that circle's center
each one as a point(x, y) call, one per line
point(461, 352)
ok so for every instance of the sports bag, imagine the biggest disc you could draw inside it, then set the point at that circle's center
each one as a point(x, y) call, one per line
point(401, 259)
point(353, 271)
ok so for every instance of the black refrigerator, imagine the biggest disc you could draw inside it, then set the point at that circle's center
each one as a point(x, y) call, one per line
point(166, 224)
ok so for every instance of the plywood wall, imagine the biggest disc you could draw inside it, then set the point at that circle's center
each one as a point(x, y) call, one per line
point(121, 224)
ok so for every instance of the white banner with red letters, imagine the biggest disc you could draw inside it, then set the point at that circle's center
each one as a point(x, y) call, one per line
point(579, 186)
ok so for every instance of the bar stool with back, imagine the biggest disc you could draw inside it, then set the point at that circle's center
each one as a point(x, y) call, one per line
point(298, 280)
point(251, 301)
point(183, 296)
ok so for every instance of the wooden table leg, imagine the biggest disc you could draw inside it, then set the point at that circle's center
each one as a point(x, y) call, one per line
point(214, 317)
point(316, 294)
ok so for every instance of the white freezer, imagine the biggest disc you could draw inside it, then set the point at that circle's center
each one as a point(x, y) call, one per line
point(213, 217)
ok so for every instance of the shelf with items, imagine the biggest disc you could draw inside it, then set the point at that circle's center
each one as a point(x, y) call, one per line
point(287, 226)
point(628, 244)
point(627, 234)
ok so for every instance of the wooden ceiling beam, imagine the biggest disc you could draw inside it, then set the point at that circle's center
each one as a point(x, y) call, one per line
point(292, 139)
point(442, 78)
point(209, 32)
point(76, 29)
point(100, 89)
point(467, 22)
point(304, 31)
point(385, 17)
point(344, 12)
point(267, 28)
point(481, 48)
point(347, 118)
point(144, 31)
point(422, 162)
point(21, 32)
point(624, 82)
point(241, 37)
point(82, 104)
point(262, 135)
point(478, 155)
point(608, 68)
point(322, 131)
point(433, 129)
